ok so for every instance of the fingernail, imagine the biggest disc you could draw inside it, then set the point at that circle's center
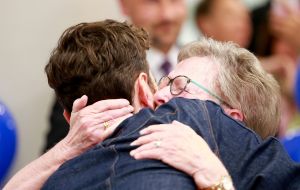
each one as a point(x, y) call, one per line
point(142, 132)
point(130, 108)
point(133, 143)
point(132, 153)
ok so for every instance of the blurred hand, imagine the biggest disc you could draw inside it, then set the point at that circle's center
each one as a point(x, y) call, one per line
point(284, 70)
point(179, 146)
point(287, 26)
point(87, 124)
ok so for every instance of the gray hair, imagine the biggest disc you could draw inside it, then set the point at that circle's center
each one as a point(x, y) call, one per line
point(241, 82)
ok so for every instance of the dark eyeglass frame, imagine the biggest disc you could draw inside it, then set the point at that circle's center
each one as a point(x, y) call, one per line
point(188, 80)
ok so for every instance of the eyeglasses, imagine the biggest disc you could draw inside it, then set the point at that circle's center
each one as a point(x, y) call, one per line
point(179, 84)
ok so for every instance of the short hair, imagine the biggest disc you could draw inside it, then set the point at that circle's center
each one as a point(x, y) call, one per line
point(101, 60)
point(203, 8)
point(241, 82)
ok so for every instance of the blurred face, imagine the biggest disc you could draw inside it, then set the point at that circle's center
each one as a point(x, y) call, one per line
point(230, 21)
point(161, 18)
point(283, 48)
point(199, 69)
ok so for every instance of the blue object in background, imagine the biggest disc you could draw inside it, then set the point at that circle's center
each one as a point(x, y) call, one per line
point(292, 146)
point(8, 141)
point(297, 87)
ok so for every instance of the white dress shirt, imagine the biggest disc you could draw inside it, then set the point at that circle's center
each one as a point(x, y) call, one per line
point(155, 58)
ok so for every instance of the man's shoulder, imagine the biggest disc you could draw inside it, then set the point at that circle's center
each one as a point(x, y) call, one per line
point(182, 104)
point(190, 106)
point(183, 110)
point(205, 114)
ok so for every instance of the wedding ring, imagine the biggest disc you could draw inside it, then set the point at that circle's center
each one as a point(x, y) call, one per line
point(157, 144)
point(106, 125)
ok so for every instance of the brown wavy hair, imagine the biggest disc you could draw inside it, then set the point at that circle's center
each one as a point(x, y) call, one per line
point(101, 60)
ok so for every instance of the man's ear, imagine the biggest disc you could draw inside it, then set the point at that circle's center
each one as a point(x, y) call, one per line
point(235, 114)
point(145, 94)
point(67, 116)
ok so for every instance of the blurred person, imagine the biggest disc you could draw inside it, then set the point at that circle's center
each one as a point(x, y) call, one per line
point(277, 56)
point(162, 19)
point(224, 20)
point(229, 20)
point(265, 41)
point(285, 24)
point(93, 168)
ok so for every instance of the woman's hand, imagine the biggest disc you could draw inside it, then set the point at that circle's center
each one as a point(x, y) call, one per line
point(92, 124)
point(86, 130)
point(179, 146)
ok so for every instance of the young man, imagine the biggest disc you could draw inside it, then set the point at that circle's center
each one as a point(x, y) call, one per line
point(107, 59)
point(162, 19)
